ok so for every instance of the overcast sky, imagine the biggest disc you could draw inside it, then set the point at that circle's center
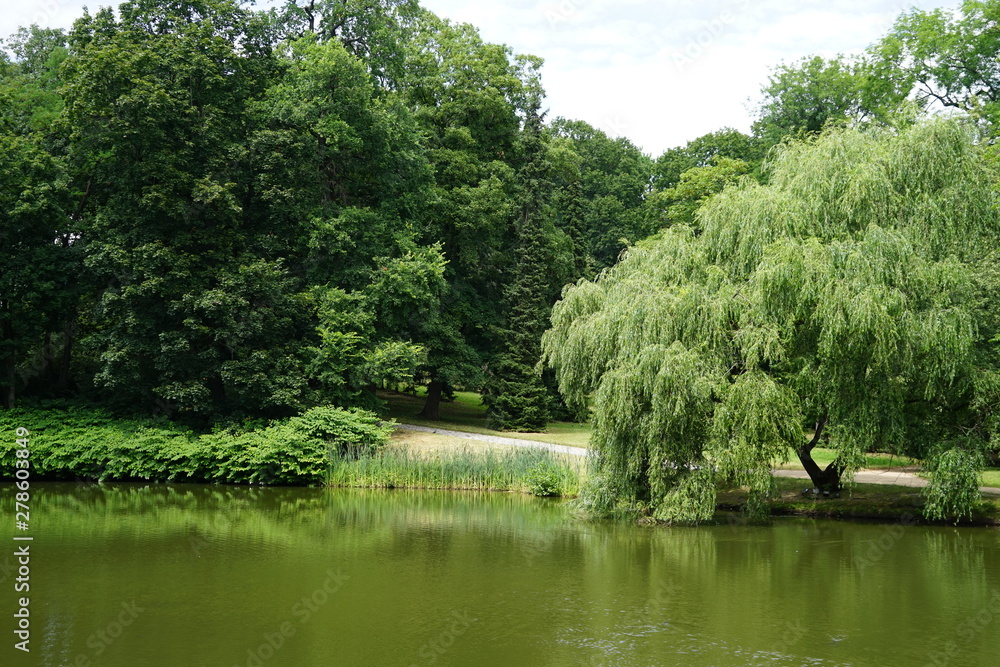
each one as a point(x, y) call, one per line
point(660, 73)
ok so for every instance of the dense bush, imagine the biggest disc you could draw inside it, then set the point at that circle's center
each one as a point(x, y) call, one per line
point(84, 443)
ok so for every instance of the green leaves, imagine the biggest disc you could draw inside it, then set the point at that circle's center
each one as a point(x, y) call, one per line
point(37, 281)
point(840, 291)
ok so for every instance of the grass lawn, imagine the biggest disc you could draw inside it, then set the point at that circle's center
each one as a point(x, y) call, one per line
point(824, 457)
point(467, 413)
point(991, 477)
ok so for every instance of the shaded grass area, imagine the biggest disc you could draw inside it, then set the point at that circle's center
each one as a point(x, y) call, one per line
point(466, 413)
point(880, 502)
point(535, 471)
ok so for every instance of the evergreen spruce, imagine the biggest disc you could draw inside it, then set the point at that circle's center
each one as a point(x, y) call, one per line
point(515, 396)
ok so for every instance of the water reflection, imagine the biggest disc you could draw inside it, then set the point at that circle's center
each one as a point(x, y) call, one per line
point(238, 576)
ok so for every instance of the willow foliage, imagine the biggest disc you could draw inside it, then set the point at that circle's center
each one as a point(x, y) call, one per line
point(840, 294)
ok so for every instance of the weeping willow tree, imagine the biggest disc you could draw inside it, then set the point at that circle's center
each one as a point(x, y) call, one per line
point(839, 304)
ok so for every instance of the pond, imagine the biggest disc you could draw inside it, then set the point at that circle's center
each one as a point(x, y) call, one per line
point(176, 575)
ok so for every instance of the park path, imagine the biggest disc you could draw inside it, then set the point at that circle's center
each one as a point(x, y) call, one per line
point(893, 477)
point(498, 440)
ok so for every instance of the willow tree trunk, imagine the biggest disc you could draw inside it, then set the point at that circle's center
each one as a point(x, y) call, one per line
point(827, 479)
point(432, 406)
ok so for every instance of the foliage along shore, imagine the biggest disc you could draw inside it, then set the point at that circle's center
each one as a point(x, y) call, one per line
point(77, 443)
point(330, 446)
point(881, 503)
point(323, 446)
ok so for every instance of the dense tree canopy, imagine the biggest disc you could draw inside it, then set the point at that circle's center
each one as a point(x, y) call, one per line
point(261, 211)
point(837, 302)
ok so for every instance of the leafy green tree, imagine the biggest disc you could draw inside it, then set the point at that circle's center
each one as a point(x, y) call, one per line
point(603, 210)
point(374, 31)
point(839, 303)
point(704, 151)
point(198, 315)
point(466, 95)
point(803, 97)
point(679, 204)
point(29, 93)
point(38, 263)
point(946, 58)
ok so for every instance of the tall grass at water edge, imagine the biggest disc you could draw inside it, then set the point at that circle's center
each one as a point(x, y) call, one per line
point(534, 471)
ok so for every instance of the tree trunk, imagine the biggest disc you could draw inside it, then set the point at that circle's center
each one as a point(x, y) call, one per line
point(824, 480)
point(68, 333)
point(432, 406)
point(9, 365)
point(48, 359)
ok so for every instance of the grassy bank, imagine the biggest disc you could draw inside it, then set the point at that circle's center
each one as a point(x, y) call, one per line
point(535, 471)
point(881, 502)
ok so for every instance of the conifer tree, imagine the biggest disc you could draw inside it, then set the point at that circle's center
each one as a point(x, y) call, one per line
point(515, 396)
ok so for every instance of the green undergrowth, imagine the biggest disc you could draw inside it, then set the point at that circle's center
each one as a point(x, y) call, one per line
point(89, 444)
point(535, 471)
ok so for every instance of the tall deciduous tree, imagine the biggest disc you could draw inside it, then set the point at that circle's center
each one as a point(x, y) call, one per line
point(466, 96)
point(838, 303)
point(197, 310)
point(801, 98)
point(38, 264)
point(946, 58)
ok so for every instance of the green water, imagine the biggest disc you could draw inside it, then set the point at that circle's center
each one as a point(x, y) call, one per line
point(183, 576)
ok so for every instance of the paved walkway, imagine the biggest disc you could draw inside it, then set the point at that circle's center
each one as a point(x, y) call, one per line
point(894, 477)
point(497, 440)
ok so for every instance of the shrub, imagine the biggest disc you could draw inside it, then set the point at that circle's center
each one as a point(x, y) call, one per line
point(90, 444)
point(954, 485)
point(544, 480)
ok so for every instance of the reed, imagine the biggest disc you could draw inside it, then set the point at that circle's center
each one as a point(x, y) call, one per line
point(519, 469)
